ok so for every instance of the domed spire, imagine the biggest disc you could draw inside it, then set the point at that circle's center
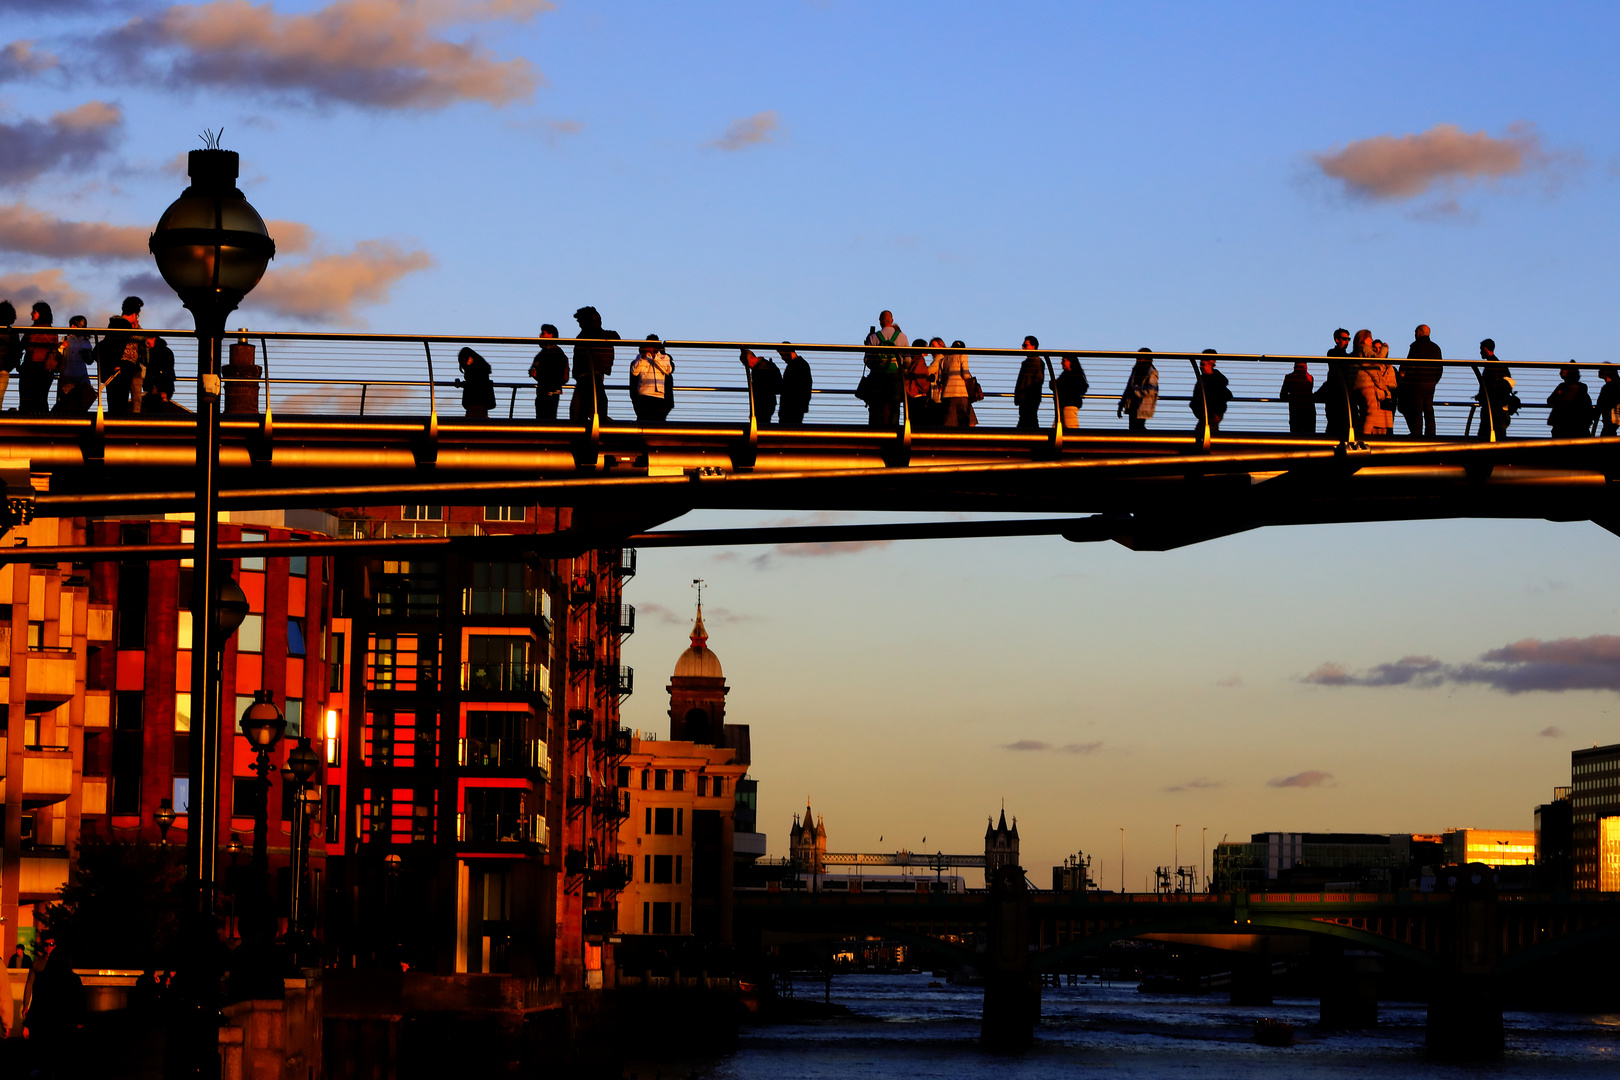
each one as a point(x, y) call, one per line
point(699, 660)
point(700, 636)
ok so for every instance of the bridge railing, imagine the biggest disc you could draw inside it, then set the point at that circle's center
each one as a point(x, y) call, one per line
point(381, 375)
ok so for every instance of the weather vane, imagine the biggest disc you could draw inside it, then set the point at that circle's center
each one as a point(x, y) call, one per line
point(697, 583)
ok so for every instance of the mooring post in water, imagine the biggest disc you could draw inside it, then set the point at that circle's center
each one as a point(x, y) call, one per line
point(1465, 1000)
point(1012, 991)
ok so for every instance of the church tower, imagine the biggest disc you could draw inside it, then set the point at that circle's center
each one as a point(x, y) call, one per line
point(1000, 845)
point(697, 693)
point(807, 843)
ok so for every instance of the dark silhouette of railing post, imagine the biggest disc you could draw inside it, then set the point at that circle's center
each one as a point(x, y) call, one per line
point(1012, 992)
point(1465, 999)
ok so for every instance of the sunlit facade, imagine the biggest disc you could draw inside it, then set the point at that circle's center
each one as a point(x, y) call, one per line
point(1594, 795)
point(1493, 847)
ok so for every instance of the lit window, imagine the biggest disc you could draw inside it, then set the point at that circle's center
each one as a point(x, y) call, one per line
point(250, 635)
point(183, 634)
point(253, 562)
point(182, 712)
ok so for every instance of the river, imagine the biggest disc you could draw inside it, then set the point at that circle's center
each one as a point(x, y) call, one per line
point(900, 1026)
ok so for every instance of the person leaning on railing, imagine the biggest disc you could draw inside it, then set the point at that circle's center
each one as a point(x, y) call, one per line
point(119, 355)
point(649, 380)
point(1569, 411)
point(10, 346)
point(765, 383)
point(477, 388)
point(550, 374)
point(1070, 390)
point(158, 386)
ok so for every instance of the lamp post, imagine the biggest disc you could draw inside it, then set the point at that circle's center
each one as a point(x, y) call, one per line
point(262, 724)
point(164, 817)
point(302, 761)
point(212, 248)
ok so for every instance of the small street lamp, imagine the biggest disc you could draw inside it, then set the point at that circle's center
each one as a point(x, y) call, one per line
point(164, 816)
point(302, 761)
point(262, 724)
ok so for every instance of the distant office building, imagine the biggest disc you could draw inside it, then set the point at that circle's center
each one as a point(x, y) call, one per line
point(1555, 842)
point(1594, 795)
point(1311, 861)
point(1493, 847)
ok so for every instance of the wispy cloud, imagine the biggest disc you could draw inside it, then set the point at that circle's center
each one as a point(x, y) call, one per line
point(1308, 778)
point(74, 139)
point(1231, 681)
point(1396, 168)
point(380, 54)
point(1066, 748)
point(22, 289)
point(1589, 663)
point(1551, 731)
point(27, 230)
point(18, 61)
point(1200, 784)
point(331, 288)
point(749, 131)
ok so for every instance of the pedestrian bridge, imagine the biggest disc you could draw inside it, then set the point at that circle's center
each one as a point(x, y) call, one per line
point(325, 420)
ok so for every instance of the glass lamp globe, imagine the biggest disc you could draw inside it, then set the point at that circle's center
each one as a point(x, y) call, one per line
point(211, 246)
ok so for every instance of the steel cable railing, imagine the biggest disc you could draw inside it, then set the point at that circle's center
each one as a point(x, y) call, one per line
point(399, 376)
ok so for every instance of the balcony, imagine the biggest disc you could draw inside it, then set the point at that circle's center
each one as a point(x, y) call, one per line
point(613, 804)
point(503, 752)
point(508, 602)
point(617, 618)
point(509, 677)
point(495, 816)
point(582, 590)
point(579, 792)
point(51, 677)
point(617, 744)
point(42, 875)
point(581, 656)
point(616, 679)
point(581, 723)
point(620, 561)
point(47, 775)
point(614, 874)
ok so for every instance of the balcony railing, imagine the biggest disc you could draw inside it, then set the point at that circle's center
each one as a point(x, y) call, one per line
point(612, 875)
point(616, 679)
point(617, 744)
point(620, 561)
point(612, 803)
point(581, 723)
point(582, 590)
point(499, 828)
point(498, 677)
point(617, 618)
point(503, 753)
point(519, 602)
point(581, 656)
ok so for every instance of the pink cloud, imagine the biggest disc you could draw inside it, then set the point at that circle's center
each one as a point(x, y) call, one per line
point(1407, 166)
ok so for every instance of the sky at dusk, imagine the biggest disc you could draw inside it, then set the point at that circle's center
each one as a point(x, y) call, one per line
point(1244, 177)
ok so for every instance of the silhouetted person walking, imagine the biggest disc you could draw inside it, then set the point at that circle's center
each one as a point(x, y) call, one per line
point(649, 382)
point(1334, 393)
point(477, 388)
point(592, 365)
point(1027, 390)
point(39, 362)
point(1418, 378)
point(550, 374)
point(882, 383)
point(1608, 402)
point(1570, 406)
point(1296, 390)
point(764, 382)
point(1141, 396)
point(119, 356)
point(1070, 390)
point(797, 384)
point(1215, 390)
point(1497, 400)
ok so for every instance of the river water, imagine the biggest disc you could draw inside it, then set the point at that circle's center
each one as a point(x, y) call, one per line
point(902, 1027)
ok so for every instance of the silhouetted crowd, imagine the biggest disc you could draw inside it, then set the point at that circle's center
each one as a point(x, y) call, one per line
point(135, 371)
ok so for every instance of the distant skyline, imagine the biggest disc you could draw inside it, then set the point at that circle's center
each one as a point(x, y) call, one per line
point(1172, 175)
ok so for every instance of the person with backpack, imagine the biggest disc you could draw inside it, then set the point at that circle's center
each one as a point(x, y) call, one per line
point(550, 374)
point(649, 377)
point(477, 388)
point(74, 394)
point(1141, 396)
point(1070, 389)
point(882, 386)
point(1496, 398)
point(1214, 389)
point(119, 357)
point(797, 384)
point(1570, 406)
point(1608, 402)
point(1030, 386)
point(764, 383)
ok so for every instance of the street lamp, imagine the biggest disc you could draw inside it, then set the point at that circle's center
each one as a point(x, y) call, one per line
point(302, 761)
point(262, 724)
point(212, 248)
point(164, 816)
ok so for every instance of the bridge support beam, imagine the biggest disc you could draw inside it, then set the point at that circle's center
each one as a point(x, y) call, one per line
point(1465, 999)
point(1012, 991)
point(1348, 985)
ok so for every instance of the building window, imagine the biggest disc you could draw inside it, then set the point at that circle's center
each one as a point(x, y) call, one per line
point(663, 870)
point(294, 712)
point(132, 589)
point(678, 780)
point(127, 750)
point(295, 636)
point(624, 776)
point(500, 664)
point(647, 830)
point(495, 815)
point(298, 565)
point(646, 869)
point(183, 630)
point(253, 562)
point(244, 790)
point(660, 778)
point(663, 821)
point(646, 919)
point(97, 753)
point(504, 513)
point(250, 635)
point(678, 860)
point(660, 918)
point(181, 799)
point(422, 513)
point(680, 818)
point(646, 774)
point(703, 787)
point(335, 663)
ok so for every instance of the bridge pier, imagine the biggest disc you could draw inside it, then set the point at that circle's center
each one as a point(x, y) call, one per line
point(1348, 984)
point(1251, 976)
point(1012, 990)
point(1465, 998)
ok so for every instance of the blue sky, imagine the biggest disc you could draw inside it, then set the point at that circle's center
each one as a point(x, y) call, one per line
point(1175, 175)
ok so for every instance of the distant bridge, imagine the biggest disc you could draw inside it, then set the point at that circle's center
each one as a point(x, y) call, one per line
point(355, 420)
point(938, 861)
